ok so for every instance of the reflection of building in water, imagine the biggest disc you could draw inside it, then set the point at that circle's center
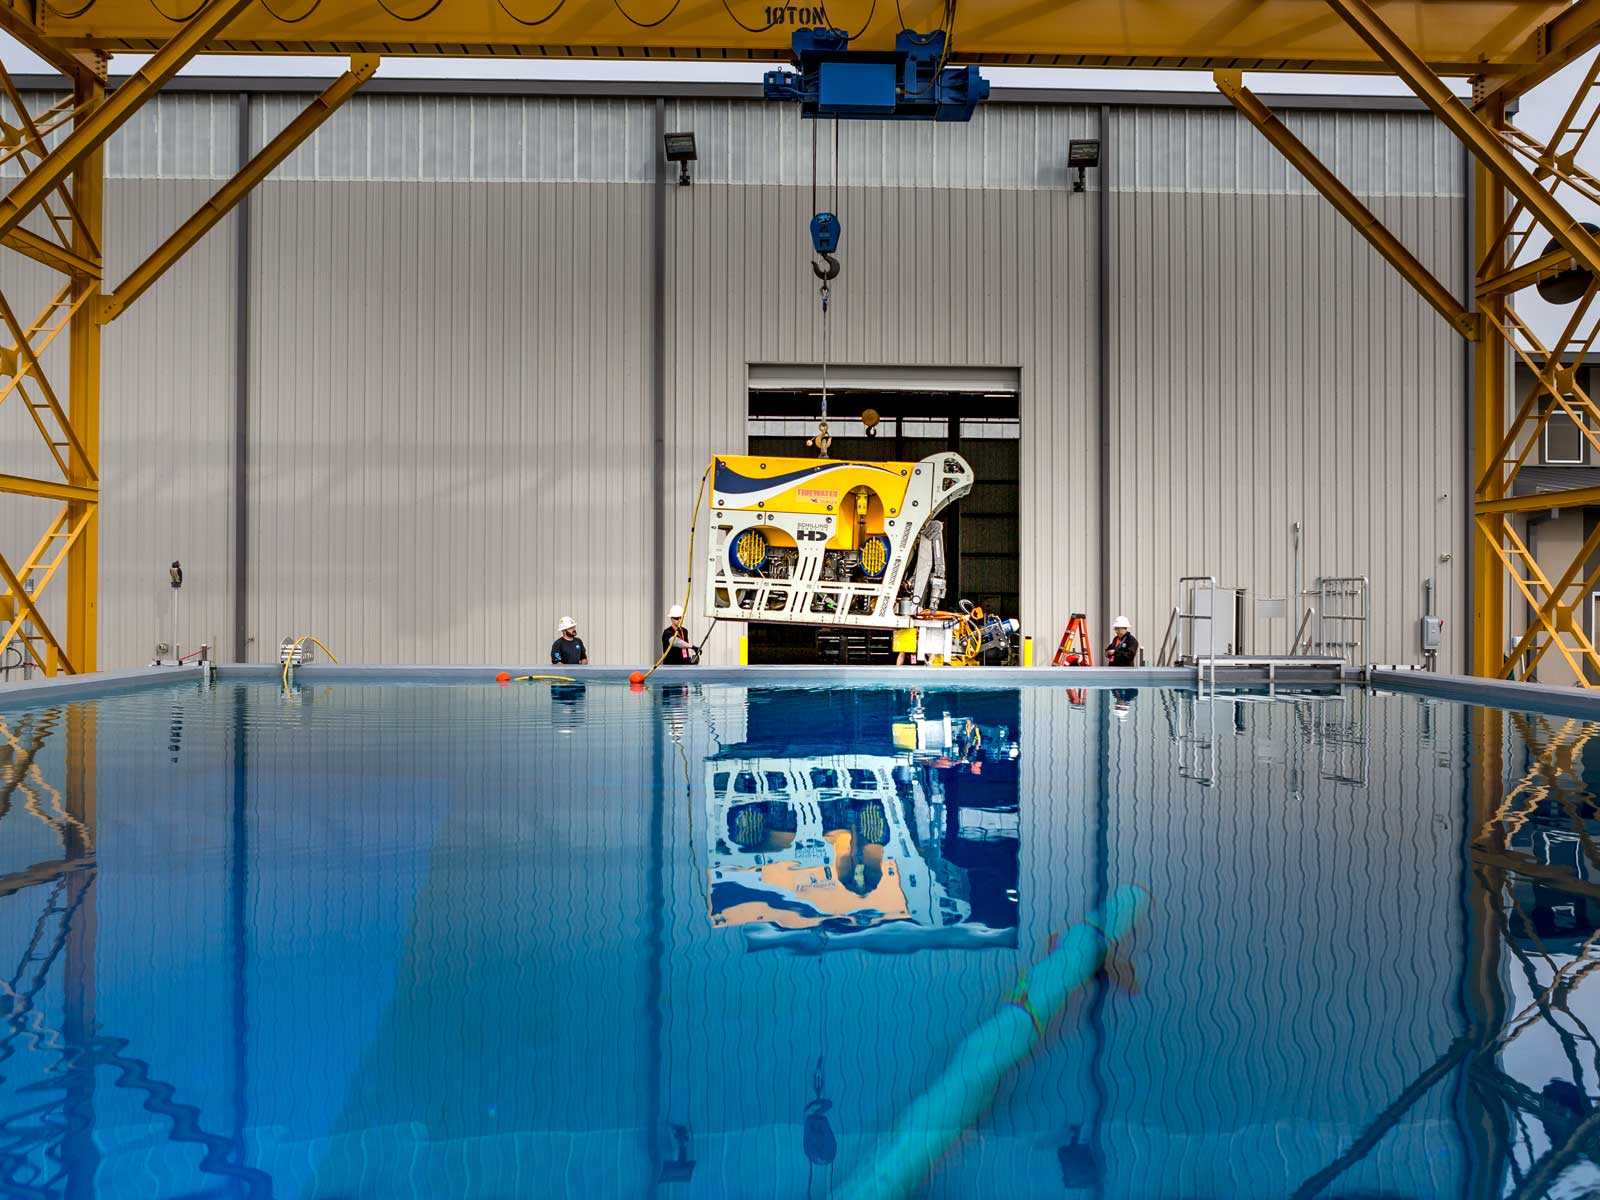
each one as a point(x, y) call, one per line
point(916, 825)
point(1330, 732)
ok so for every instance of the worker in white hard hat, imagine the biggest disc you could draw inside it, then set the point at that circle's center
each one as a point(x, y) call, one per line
point(568, 649)
point(1124, 648)
point(675, 643)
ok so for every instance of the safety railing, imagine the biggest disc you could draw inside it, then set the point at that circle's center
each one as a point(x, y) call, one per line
point(1183, 629)
point(1343, 611)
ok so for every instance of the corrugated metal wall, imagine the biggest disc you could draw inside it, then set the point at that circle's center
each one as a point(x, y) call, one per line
point(1269, 368)
point(449, 319)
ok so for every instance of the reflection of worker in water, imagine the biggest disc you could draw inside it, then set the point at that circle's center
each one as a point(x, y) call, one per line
point(675, 643)
point(1124, 648)
point(566, 710)
point(1122, 702)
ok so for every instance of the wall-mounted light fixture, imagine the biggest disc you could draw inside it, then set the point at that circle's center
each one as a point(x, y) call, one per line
point(680, 149)
point(1081, 155)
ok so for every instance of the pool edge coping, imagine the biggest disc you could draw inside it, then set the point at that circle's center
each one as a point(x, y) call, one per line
point(1555, 699)
point(1501, 693)
point(102, 683)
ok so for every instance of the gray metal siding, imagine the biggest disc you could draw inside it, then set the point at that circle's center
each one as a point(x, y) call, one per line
point(1269, 367)
point(450, 440)
point(450, 374)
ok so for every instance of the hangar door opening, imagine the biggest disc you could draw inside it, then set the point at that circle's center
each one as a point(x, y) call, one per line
point(974, 414)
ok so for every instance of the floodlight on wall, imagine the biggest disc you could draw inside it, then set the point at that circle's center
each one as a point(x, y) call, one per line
point(679, 148)
point(1081, 155)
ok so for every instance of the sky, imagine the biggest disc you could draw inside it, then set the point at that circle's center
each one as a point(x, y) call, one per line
point(1540, 110)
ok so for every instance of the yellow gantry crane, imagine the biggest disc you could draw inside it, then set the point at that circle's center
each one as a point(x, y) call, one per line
point(1524, 230)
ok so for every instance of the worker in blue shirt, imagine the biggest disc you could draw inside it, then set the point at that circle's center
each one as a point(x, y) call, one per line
point(568, 649)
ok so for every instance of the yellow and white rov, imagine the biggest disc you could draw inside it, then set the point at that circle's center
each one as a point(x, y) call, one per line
point(827, 542)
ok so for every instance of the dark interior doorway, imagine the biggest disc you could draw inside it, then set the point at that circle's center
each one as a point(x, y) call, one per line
point(982, 544)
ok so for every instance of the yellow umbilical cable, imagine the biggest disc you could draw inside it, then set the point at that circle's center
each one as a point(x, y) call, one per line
point(641, 677)
point(295, 644)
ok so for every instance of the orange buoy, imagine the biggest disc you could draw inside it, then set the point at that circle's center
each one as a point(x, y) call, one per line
point(636, 678)
point(503, 678)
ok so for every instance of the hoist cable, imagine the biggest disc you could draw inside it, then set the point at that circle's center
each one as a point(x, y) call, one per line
point(747, 28)
point(662, 20)
point(421, 16)
point(865, 25)
point(315, 4)
point(544, 20)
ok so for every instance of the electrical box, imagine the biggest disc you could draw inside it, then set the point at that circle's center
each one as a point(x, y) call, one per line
point(1432, 634)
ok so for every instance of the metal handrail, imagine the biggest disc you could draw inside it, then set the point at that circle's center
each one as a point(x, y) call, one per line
point(1350, 627)
point(1169, 640)
point(1303, 634)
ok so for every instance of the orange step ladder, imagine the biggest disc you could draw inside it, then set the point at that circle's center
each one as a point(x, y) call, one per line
point(1075, 650)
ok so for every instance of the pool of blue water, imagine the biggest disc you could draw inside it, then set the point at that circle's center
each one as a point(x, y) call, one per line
point(744, 942)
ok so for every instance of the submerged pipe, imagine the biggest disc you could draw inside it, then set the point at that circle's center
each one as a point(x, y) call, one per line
point(963, 1093)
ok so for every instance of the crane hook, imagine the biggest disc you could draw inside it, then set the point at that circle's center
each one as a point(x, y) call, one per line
point(827, 269)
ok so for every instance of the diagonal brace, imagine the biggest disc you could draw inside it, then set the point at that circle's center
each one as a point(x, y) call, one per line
point(93, 131)
point(166, 256)
point(43, 250)
point(1528, 275)
point(1231, 84)
point(1482, 141)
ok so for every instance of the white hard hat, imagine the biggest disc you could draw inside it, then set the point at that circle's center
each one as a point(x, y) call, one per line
point(1121, 623)
point(566, 624)
point(675, 613)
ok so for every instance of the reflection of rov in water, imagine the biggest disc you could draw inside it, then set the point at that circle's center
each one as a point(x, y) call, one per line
point(863, 844)
point(799, 843)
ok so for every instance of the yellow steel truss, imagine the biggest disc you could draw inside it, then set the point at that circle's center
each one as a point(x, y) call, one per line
point(1508, 37)
point(54, 213)
point(65, 187)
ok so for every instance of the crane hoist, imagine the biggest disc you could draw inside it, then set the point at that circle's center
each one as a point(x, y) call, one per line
point(829, 542)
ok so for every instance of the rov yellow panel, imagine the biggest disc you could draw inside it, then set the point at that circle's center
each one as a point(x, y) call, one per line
point(1460, 37)
point(811, 486)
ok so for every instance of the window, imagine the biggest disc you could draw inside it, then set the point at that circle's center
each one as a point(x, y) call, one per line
point(1563, 438)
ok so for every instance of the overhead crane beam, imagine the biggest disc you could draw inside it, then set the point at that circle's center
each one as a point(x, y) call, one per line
point(1458, 37)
